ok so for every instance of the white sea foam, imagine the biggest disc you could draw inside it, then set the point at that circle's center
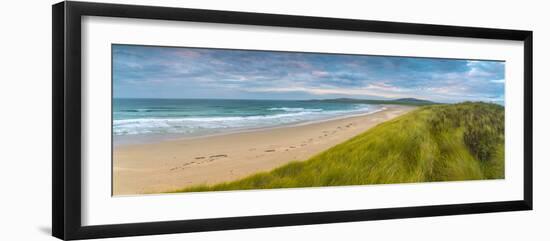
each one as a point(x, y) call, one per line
point(290, 109)
point(209, 125)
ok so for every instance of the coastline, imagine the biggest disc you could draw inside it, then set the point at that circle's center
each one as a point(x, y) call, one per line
point(168, 165)
point(157, 138)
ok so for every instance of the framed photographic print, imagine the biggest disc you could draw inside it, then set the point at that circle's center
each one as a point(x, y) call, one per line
point(170, 120)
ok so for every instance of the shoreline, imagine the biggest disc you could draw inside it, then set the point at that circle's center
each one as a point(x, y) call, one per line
point(159, 138)
point(179, 163)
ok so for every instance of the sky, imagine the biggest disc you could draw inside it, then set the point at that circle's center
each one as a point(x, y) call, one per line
point(170, 72)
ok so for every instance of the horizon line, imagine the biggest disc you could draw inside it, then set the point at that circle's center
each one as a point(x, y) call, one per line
point(208, 98)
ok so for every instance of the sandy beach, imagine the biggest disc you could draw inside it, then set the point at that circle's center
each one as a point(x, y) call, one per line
point(169, 165)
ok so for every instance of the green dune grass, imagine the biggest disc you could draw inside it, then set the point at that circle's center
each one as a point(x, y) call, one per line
point(433, 143)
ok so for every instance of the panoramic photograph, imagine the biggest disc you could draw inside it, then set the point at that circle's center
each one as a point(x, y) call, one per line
point(203, 119)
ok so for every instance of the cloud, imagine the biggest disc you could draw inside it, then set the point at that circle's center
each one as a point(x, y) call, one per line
point(163, 72)
point(323, 91)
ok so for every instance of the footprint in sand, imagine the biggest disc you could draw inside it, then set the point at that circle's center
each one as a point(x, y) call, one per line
point(218, 156)
point(182, 167)
point(215, 157)
point(188, 163)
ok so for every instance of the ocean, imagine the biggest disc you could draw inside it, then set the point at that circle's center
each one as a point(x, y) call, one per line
point(198, 117)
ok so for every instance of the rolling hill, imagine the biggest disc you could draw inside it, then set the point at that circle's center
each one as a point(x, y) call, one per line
point(402, 101)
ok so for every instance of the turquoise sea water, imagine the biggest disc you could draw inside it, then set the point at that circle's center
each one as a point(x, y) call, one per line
point(196, 117)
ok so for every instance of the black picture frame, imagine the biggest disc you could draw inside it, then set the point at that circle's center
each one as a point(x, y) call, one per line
point(66, 127)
